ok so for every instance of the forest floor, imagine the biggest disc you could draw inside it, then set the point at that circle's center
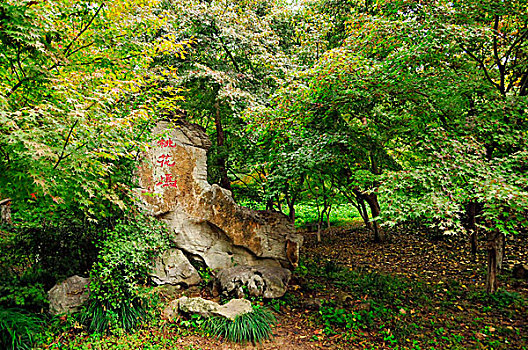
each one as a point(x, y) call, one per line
point(412, 292)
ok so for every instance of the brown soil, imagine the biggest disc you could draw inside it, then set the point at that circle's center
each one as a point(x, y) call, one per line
point(434, 261)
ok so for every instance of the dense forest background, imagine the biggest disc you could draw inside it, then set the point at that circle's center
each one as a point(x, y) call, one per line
point(406, 113)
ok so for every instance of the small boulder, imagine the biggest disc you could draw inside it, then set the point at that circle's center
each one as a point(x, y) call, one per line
point(67, 296)
point(258, 281)
point(234, 308)
point(170, 311)
point(173, 268)
point(208, 308)
point(200, 306)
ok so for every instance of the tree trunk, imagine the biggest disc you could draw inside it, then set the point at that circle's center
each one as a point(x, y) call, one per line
point(495, 242)
point(319, 231)
point(501, 241)
point(291, 213)
point(220, 141)
point(328, 217)
point(5, 211)
point(362, 208)
point(279, 204)
point(372, 200)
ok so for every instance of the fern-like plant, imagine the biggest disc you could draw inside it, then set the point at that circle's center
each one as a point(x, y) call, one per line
point(18, 329)
point(252, 327)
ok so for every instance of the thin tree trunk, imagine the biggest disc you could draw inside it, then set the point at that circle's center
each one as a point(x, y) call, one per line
point(372, 200)
point(319, 231)
point(364, 214)
point(291, 213)
point(220, 141)
point(291, 209)
point(501, 242)
point(495, 240)
point(328, 216)
point(279, 204)
point(362, 208)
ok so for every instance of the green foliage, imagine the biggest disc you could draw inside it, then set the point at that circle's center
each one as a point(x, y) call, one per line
point(38, 254)
point(147, 339)
point(18, 329)
point(333, 316)
point(500, 299)
point(124, 262)
point(127, 314)
point(79, 94)
point(254, 326)
point(206, 274)
point(195, 322)
point(21, 280)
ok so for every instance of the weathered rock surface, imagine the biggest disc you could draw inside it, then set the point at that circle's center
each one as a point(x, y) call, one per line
point(264, 281)
point(206, 221)
point(208, 308)
point(67, 296)
point(170, 312)
point(172, 267)
point(234, 308)
point(200, 306)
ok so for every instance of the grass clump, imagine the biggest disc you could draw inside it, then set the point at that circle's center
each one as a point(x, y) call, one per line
point(252, 327)
point(18, 329)
point(127, 315)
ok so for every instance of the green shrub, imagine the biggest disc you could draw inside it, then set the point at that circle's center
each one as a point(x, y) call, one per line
point(35, 255)
point(18, 329)
point(124, 262)
point(252, 327)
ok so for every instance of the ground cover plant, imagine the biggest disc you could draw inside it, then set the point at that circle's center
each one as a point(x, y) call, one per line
point(254, 326)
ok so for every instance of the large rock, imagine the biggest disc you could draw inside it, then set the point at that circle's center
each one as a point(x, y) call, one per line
point(204, 218)
point(67, 296)
point(264, 281)
point(172, 267)
point(208, 308)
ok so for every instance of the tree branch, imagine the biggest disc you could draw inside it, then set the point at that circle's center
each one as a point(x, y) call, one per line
point(481, 65)
point(61, 157)
point(83, 30)
point(496, 53)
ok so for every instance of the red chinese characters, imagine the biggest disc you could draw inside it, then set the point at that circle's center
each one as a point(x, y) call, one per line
point(167, 181)
point(166, 143)
point(165, 160)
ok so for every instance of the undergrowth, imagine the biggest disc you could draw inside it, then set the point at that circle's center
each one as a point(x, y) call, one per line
point(251, 327)
point(18, 329)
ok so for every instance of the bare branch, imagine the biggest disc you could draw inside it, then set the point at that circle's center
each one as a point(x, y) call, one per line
point(83, 30)
point(61, 157)
point(480, 64)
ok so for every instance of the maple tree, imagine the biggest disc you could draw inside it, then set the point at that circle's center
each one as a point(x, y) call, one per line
point(79, 91)
point(423, 106)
